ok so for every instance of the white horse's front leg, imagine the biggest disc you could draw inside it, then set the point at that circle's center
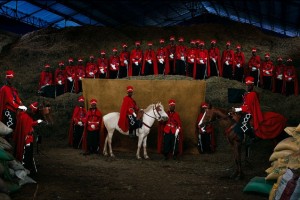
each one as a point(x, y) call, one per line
point(105, 147)
point(109, 144)
point(145, 148)
point(139, 146)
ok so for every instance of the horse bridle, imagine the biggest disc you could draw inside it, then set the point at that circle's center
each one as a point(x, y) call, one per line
point(155, 108)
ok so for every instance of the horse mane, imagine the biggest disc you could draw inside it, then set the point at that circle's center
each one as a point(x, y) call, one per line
point(149, 107)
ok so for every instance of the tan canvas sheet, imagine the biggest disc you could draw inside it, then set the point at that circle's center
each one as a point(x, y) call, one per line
point(188, 95)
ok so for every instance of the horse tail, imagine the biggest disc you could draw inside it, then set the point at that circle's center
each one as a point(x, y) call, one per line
point(103, 129)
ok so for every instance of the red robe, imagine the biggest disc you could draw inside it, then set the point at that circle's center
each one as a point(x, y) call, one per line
point(181, 50)
point(79, 115)
point(162, 53)
point(266, 125)
point(191, 56)
point(202, 55)
point(150, 55)
point(9, 99)
point(24, 127)
point(290, 74)
point(228, 55)
point(79, 75)
point(102, 65)
point(215, 53)
point(239, 58)
point(136, 55)
point(46, 78)
point(124, 55)
point(278, 76)
point(91, 67)
point(254, 62)
point(171, 125)
point(267, 69)
point(128, 107)
point(60, 75)
point(171, 51)
point(114, 60)
point(209, 129)
point(93, 117)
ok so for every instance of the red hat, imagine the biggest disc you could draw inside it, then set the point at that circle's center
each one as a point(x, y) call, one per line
point(10, 74)
point(267, 55)
point(124, 45)
point(129, 88)
point(61, 63)
point(115, 49)
point(202, 43)
point(289, 60)
point(137, 43)
point(161, 41)
point(47, 66)
point(193, 42)
point(249, 80)
point(198, 41)
point(80, 60)
point(70, 59)
point(279, 58)
point(172, 102)
point(172, 38)
point(213, 41)
point(92, 57)
point(80, 99)
point(238, 46)
point(102, 52)
point(181, 39)
point(204, 105)
point(34, 106)
point(93, 101)
point(150, 44)
point(228, 43)
point(253, 50)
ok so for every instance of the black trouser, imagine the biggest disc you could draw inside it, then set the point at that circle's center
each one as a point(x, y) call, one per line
point(204, 143)
point(28, 157)
point(48, 91)
point(79, 86)
point(200, 71)
point(289, 88)
point(102, 76)
point(267, 80)
point(136, 69)
point(180, 67)
point(214, 71)
point(169, 140)
point(93, 141)
point(190, 68)
point(77, 135)
point(113, 74)
point(171, 65)
point(239, 74)
point(60, 89)
point(161, 68)
point(254, 74)
point(122, 71)
point(148, 70)
point(227, 71)
point(70, 86)
point(278, 86)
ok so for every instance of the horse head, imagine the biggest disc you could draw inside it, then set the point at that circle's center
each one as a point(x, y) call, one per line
point(159, 112)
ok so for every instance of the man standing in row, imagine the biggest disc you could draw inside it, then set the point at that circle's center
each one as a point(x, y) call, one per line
point(136, 58)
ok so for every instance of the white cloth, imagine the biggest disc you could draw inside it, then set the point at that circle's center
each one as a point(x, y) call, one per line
point(80, 123)
point(102, 71)
point(177, 132)
point(70, 79)
point(213, 59)
point(91, 73)
point(161, 60)
point(171, 55)
point(290, 79)
point(22, 108)
point(226, 62)
point(136, 63)
point(238, 65)
point(253, 68)
point(125, 62)
point(39, 121)
point(59, 82)
point(93, 126)
point(182, 58)
point(237, 109)
point(149, 61)
point(113, 66)
point(279, 76)
point(267, 72)
point(201, 61)
point(192, 60)
point(80, 78)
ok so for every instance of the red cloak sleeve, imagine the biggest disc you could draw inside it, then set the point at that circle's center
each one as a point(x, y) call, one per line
point(123, 120)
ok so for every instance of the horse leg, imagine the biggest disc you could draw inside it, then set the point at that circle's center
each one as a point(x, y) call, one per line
point(145, 148)
point(237, 148)
point(109, 136)
point(105, 146)
point(139, 146)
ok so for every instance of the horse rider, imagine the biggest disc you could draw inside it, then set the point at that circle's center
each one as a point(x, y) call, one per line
point(130, 114)
point(172, 133)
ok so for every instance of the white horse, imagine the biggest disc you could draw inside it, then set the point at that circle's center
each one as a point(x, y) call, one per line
point(151, 113)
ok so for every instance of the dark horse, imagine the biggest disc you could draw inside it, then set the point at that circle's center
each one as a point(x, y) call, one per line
point(235, 139)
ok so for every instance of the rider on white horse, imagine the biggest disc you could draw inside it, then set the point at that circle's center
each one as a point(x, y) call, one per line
point(130, 114)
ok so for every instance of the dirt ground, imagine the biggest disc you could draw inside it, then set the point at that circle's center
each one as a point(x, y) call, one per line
point(65, 174)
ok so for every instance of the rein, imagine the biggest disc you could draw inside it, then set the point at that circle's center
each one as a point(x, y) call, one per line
point(155, 117)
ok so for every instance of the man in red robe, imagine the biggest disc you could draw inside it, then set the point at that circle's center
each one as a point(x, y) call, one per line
point(253, 68)
point(129, 114)
point(79, 75)
point(278, 76)
point(23, 137)
point(136, 58)
point(91, 69)
point(77, 124)
point(170, 135)
point(227, 61)
point(290, 79)
point(200, 70)
point(71, 75)
point(171, 52)
point(60, 77)
point(102, 63)
point(191, 59)
point(46, 83)
point(180, 58)
point(149, 66)
point(214, 64)
point(10, 101)
point(239, 64)
point(124, 62)
point(114, 63)
point(162, 57)
point(91, 136)
point(267, 73)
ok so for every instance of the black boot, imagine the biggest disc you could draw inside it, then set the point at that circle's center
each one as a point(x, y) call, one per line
point(132, 133)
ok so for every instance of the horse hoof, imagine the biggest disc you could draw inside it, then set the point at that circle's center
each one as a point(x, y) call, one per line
point(105, 154)
point(112, 156)
point(147, 158)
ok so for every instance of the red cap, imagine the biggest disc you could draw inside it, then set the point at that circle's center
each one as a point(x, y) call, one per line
point(34, 106)
point(93, 101)
point(124, 45)
point(115, 49)
point(193, 42)
point(172, 102)
point(181, 39)
point(161, 41)
point(129, 88)
point(249, 80)
point(47, 66)
point(80, 60)
point(213, 41)
point(238, 46)
point(102, 52)
point(253, 50)
point(172, 38)
point(279, 58)
point(202, 43)
point(70, 59)
point(289, 60)
point(10, 74)
point(204, 105)
point(228, 43)
point(137, 43)
point(198, 41)
point(92, 57)
point(80, 99)
point(150, 44)
point(61, 63)
point(267, 55)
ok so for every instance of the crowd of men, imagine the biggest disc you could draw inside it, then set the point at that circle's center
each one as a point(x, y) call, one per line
point(173, 58)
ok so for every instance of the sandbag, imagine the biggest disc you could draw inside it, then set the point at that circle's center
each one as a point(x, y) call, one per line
point(294, 161)
point(15, 165)
point(4, 144)
point(276, 173)
point(280, 154)
point(4, 130)
point(273, 191)
point(289, 143)
point(4, 196)
point(5, 155)
point(259, 185)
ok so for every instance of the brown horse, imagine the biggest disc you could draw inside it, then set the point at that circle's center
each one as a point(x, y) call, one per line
point(230, 120)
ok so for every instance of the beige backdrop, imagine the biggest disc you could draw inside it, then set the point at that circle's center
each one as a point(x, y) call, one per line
point(188, 95)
